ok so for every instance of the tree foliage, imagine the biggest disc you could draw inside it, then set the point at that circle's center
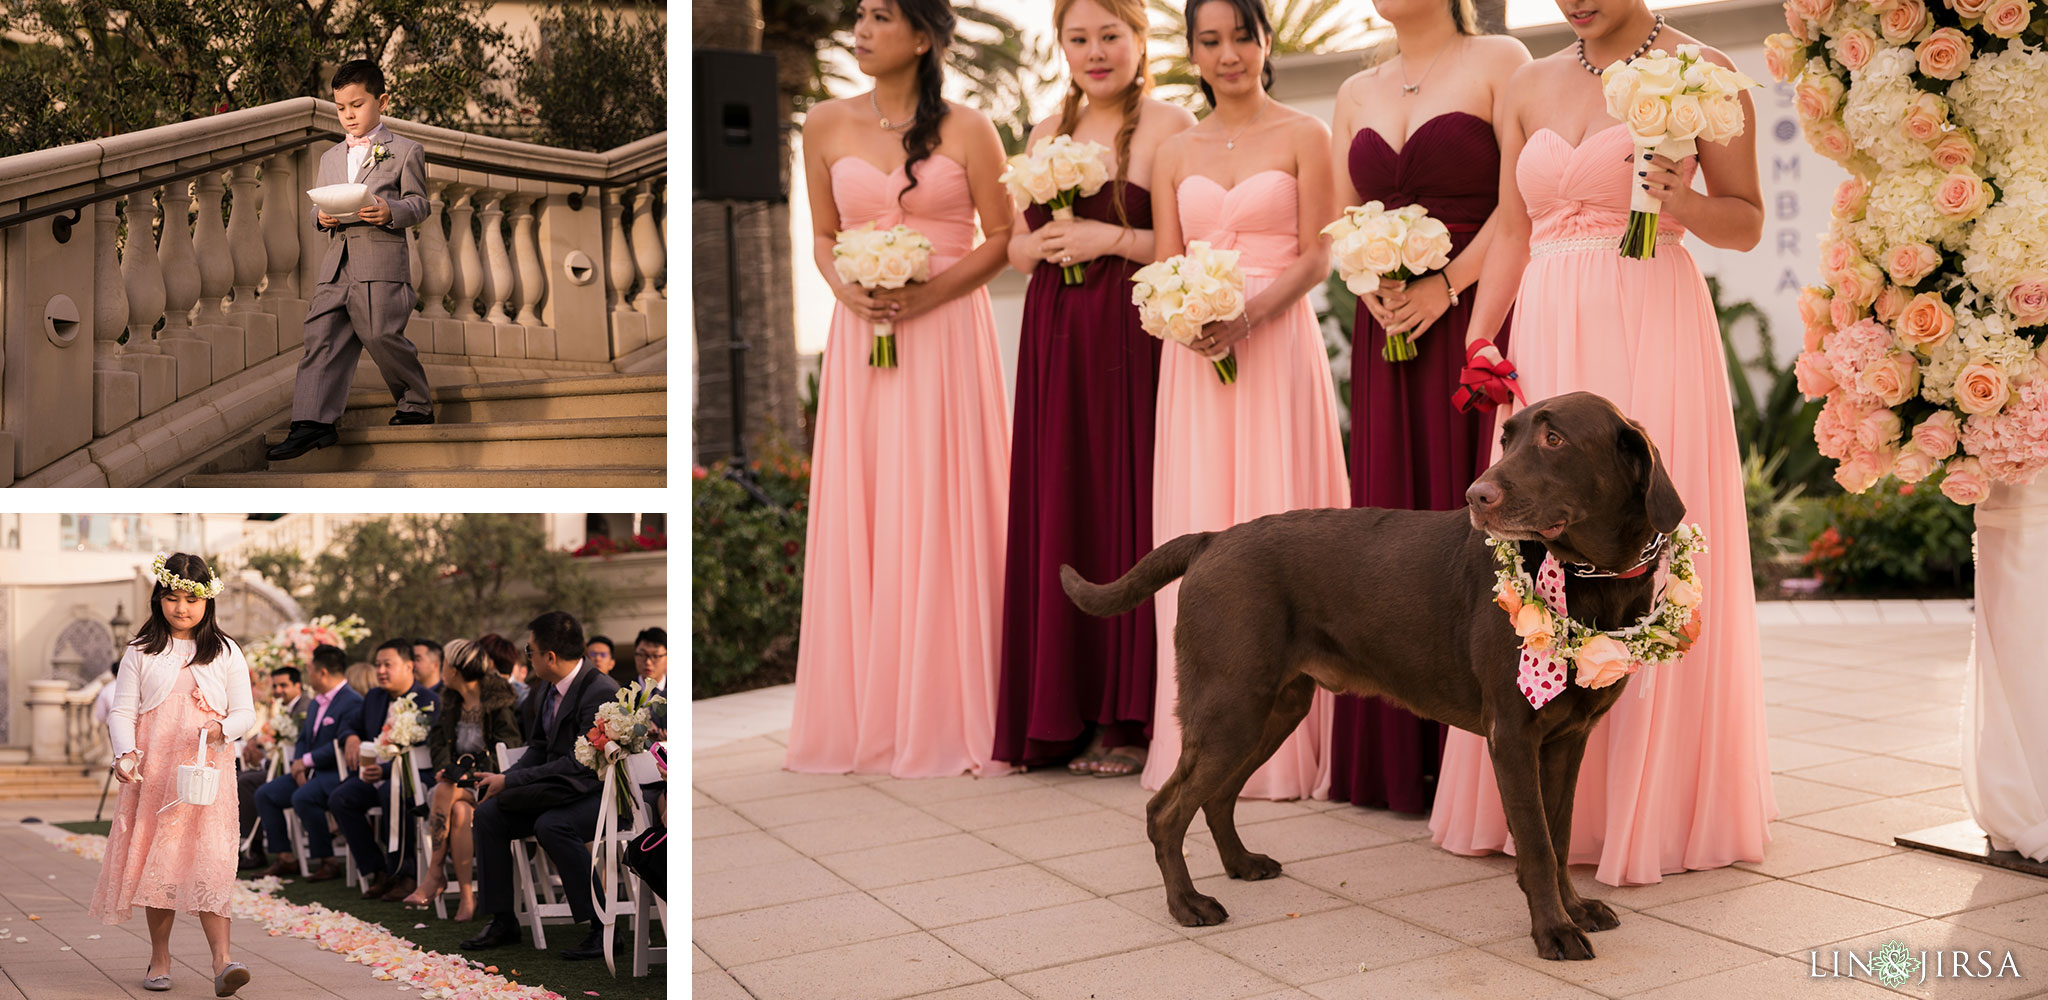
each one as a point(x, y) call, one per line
point(598, 79)
point(1299, 26)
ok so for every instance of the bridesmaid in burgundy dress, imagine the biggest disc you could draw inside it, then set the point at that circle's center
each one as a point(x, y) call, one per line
point(1416, 129)
point(1074, 686)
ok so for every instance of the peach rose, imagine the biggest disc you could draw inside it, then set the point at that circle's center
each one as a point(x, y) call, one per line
point(1688, 117)
point(1835, 258)
point(1535, 627)
point(867, 269)
point(1648, 116)
point(1907, 263)
point(2007, 18)
point(1879, 429)
point(1682, 592)
point(1955, 151)
point(1844, 312)
point(1961, 195)
point(1725, 119)
point(1864, 469)
point(1981, 388)
point(1944, 54)
point(1816, 377)
point(1830, 139)
point(1854, 48)
point(1601, 661)
point(895, 270)
point(1691, 632)
point(1860, 282)
point(1903, 24)
point(1970, 8)
point(1892, 381)
point(1891, 303)
point(2028, 299)
point(1813, 312)
point(1817, 96)
point(1507, 599)
point(1852, 197)
point(1926, 321)
point(1381, 255)
point(1966, 482)
point(1914, 465)
point(1784, 55)
point(1197, 311)
point(1225, 301)
point(1936, 436)
point(1925, 116)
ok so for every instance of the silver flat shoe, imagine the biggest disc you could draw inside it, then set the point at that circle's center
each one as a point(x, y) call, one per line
point(156, 984)
point(232, 978)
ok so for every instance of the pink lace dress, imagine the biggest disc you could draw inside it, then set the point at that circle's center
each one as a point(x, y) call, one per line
point(182, 858)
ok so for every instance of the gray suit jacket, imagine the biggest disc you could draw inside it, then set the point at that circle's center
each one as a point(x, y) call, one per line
point(377, 253)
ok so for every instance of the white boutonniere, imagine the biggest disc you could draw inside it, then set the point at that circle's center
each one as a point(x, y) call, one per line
point(379, 154)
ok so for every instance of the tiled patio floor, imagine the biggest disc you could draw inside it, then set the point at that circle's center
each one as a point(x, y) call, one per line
point(1042, 885)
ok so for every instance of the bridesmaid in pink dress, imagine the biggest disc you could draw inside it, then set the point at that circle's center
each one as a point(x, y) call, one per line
point(903, 563)
point(179, 676)
point(1254, 176)
point(1675, 776)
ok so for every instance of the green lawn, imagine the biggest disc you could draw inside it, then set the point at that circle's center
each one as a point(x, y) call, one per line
point(518, 962)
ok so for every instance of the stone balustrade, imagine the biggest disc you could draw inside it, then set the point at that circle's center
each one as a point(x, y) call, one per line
point(153, 285)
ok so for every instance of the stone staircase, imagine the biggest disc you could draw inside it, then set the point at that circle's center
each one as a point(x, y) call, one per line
point(51, 781)
point(579, 430)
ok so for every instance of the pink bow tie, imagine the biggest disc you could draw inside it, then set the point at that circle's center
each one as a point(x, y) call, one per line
point(358, 140)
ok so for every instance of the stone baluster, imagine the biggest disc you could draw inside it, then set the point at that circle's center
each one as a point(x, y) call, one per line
point(216, 262)
point(647, 250)
point(281, 222)
point(115, 389)
point(245, 239)
point(618, 252)
point(436, 274)
point(142, 275)
point(469, 268)
point(526, 253)
point(497, 266)
point(181, 292)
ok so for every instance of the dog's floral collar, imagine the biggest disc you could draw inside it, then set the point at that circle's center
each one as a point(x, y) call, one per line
point(1551, 639)
point(209, 590)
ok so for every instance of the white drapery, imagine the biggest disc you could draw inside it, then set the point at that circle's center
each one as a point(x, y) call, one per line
point(2005, 742)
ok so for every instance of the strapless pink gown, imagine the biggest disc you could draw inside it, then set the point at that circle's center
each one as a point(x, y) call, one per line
point(903, 559)
point(1226, 454)
point(1675, 776)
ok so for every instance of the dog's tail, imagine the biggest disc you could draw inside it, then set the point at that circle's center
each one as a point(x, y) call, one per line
point(1160, 567)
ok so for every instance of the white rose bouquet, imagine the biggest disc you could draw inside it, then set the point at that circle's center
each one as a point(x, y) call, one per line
point(405, 727)
point(1057, 174)
point(1371, 243)
point(882, 258)
point(1669, 103)
point(1178, 296)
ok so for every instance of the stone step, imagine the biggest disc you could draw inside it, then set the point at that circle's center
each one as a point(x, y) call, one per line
point(634, 441)
point(67, 790)
point(573, 478)
point(567, 397)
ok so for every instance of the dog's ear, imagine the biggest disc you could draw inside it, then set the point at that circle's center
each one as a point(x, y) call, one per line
point(1660, 498)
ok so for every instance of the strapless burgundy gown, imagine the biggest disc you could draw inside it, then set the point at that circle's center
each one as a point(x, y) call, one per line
point(1410, 446)
point(1081, 494)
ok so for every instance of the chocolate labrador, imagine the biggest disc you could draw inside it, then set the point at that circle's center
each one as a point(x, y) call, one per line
point(1398, 604)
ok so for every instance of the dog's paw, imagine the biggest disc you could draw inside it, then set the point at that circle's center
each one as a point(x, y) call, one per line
point(1592, 915)
point(1196, 910)
point(1252, 867)
point(1564, 943)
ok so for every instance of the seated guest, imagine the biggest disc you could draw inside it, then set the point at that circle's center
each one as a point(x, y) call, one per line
point(505, 659)
point(426, 664)
point(386, 877)
point(476, 715)
point(650, 658)
point(330, 719)
point(547, 794)
point(598, 653)
point(289, 697)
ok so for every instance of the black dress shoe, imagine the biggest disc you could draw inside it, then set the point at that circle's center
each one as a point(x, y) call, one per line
point(592, 948)
point(253, 861)
point(501, 931)
point(405, 418)
point(304, 436)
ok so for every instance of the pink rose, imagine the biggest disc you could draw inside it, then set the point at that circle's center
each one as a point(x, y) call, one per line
point(1970, 8)
point(1534, 626)
point(1935, 437)
point(2007, 18)
point(1784, 55)
point(1926, 321)
point(1890, 303)
point(1944, 54)
point(1601, 661)
point(1854, 48)
point(1799, 26)
point(1955, 151)
point(1903, 23)
point(1844, 311)
point(1816, 376)
point(1830, 139)
point(1966, 482)
point(1864, 469)
point(1851, 198)
point(1894, 380)
point(2028, 299)
point(1814, 313)
point(1907, 263)
point(1914, 465)
point(1980, 388)
point(1817, 96)
point(1834, 430)
point(1835, 258)
point(1924, 119)
point(1860, 283)
point(1508, 599)
point(1961, 195)
point(1878, 430)
point(1814, 10)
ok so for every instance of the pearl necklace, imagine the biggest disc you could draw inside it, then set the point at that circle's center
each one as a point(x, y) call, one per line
point(1640, 49)
point(898, 126)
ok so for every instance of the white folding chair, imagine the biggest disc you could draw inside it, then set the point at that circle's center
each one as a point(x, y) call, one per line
point(536, 899)
point(423, 849)
point(641, 770)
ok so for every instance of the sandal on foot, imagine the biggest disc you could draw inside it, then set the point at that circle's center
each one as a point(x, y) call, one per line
point(1120, 764)
point(1087, 763)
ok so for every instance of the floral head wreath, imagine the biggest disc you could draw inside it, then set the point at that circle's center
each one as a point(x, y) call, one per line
point(209, 590)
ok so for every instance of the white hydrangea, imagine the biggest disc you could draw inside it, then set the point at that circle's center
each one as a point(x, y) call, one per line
point(1901, 210)
point(1876, 103)
point(2011, 238)
point(2001, 97)
point(1938, 372)
point(1988, 337)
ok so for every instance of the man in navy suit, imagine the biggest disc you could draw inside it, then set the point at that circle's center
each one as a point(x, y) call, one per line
point(330, 719)
point(390, 878)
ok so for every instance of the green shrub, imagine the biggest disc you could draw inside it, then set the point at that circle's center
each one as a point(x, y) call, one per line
point(1894, 539)
point(747, 571)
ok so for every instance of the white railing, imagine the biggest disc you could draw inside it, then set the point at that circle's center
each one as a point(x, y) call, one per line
point(578, 287)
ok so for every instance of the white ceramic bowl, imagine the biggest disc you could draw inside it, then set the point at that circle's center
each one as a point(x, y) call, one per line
point(340, 200)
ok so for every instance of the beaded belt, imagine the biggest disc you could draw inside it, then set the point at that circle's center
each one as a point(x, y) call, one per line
point(1578, 243)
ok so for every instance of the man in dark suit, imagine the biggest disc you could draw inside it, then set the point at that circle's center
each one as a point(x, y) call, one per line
point(390, 878)
point(289, 696)
point(547, 794)
point(330, 718)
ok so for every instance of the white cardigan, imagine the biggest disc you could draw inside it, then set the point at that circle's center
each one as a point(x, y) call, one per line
point(146, 680)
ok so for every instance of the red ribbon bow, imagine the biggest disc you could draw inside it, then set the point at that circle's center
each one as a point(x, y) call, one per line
point(1483, 385)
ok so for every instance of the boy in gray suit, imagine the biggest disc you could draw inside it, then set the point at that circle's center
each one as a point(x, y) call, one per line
point(365, 294)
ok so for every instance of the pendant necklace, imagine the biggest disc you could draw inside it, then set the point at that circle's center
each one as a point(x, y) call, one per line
point(1231, 143)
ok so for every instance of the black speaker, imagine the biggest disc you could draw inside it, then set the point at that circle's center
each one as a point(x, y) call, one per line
point(737, 156)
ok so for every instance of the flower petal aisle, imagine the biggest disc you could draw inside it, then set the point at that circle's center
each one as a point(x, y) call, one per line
point(387, 956)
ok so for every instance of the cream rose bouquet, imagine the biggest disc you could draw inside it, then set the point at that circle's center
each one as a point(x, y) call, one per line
point(1178, 296)
point(1371, 243)
point(1057, 174)
point(1670, 101)
point(882, 258)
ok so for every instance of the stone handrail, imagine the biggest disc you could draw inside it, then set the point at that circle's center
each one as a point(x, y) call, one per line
point(576, 287)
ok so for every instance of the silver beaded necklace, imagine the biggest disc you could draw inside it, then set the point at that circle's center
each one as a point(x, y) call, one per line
point(1640, 49)
point(898, 126)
